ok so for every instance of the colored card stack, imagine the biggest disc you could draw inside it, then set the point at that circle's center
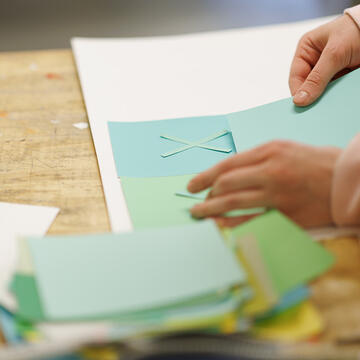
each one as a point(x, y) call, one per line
point(174, 277)
point(192, 277)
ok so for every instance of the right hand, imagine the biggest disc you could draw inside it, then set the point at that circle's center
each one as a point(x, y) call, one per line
point(329, 51)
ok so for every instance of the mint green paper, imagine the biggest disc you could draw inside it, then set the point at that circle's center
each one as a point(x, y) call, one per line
point(152, 202)
point(333, 120)
point(291, 257)
point(82, 277)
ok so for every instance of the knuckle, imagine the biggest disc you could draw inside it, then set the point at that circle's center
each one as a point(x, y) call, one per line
point(336, 53)
point(315, 79)
point(222, 184)
point(305, 38)
point(231, 202)
point(277, 147)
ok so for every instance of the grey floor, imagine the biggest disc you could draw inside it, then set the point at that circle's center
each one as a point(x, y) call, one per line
point(46, 24)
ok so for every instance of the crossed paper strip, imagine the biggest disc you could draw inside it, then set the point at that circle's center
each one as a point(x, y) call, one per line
point(200, 143)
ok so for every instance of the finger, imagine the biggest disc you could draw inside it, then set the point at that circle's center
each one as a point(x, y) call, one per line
point(222, 204)
point(305, 58)
point(300, 69)
point(330, 63)
point(239, 179)
point(232, 221)
point(208, 177)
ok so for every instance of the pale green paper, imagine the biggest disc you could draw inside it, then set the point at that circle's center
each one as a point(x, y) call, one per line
point(333, 120)
point(25, 264)
point(93, 276)
point(152, 202)
point(291, 257)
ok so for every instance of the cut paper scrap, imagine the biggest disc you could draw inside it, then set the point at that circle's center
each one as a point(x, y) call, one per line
point(81, 125)
point(137, 147)
point(110, 274)
point(18, 220)
point(298, 323)
point(290, 256)
point(200, 143)
point(330, 121)
point(189, 195)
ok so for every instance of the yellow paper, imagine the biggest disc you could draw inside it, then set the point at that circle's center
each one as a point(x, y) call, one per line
point(298, 323)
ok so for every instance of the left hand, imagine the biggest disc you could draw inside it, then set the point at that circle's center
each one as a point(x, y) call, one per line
point(294, 178)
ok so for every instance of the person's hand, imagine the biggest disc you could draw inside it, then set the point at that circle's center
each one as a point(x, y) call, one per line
point(294, 178)
point(322, 54)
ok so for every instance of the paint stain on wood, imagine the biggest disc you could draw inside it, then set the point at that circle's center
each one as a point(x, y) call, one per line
point(30, 131)
point(53, 76)
point(3, 114)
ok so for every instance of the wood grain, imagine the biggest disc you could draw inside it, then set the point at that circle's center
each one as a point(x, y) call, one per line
point(45, 160)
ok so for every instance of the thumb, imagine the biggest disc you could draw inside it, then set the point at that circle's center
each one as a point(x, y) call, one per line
point(328, 65)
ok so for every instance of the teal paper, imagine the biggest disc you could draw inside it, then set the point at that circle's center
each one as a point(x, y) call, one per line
point(333, 120)
point(137, 147)
point(92, 276)
point(292, 298)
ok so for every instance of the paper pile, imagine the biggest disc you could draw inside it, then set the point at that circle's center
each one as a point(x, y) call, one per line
point(108, 287)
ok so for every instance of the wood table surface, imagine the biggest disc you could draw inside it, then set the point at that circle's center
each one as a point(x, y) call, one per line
point(46, 160)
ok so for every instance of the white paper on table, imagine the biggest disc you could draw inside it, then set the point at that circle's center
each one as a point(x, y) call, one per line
point(18, 220)
point(177, 76)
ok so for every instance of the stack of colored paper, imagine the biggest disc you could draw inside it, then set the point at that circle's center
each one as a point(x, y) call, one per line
point(172, 278)
point(192, 277)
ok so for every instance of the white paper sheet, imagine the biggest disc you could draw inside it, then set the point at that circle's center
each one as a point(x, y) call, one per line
point(178, 76)
point(18, 220)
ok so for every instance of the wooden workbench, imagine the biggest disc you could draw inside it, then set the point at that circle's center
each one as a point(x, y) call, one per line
point(45, 160)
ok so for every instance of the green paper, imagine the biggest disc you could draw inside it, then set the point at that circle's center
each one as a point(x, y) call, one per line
point(152, 202)
point(96, 276)
point(164, 201)
point(332, 120)
point(29, 304)
point(291, 257)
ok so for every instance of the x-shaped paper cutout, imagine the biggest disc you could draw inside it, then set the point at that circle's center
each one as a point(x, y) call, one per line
point(200, 143)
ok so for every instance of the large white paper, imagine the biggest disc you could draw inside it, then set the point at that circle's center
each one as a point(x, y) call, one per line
point(18, 220)
point(179, 76)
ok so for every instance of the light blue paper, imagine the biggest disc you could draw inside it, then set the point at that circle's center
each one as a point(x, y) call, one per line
point(333, 120)
point(95, 276)
point(137, 147)
point(9, 328)
point(290, 299)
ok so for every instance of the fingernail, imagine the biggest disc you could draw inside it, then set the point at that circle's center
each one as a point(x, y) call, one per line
point(300, 97)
